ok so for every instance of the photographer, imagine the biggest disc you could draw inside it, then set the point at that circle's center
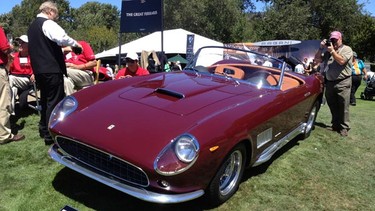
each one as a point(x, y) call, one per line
point(337, 63)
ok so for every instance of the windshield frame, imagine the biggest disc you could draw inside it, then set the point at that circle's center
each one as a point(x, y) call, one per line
point(239, 57)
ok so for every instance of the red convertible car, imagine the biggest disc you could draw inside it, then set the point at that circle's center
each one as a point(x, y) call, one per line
point(173, 137)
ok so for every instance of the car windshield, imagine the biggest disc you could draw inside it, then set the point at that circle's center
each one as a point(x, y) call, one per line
point(242, 66)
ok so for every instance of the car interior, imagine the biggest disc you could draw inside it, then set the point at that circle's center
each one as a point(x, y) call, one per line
point(256, 74)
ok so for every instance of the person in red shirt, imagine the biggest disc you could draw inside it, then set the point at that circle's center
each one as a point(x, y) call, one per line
point(20, 72)
point(80, 67)
point(6, 135)
point(132, 67)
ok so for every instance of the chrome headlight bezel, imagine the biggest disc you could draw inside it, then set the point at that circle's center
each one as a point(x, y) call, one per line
point(63, 109)
point(178, 156)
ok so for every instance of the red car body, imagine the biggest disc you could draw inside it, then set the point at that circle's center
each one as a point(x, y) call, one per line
point(134, 127)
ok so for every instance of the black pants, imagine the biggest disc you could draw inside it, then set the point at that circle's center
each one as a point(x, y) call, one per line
point(51, 86)
point(356, 82)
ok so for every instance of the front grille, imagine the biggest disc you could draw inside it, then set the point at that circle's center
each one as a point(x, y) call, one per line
point(105, 163)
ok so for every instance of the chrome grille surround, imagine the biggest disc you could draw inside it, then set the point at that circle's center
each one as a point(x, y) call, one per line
point(104, 163)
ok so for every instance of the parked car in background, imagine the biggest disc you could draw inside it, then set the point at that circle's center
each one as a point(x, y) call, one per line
point(174, 137)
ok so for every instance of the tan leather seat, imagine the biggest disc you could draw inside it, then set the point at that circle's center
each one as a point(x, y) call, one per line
point(234, 72)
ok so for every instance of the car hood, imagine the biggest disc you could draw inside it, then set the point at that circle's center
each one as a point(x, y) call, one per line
point(182, 94)
point(142, 117)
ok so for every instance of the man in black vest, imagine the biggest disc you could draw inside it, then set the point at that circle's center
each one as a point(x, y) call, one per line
point(46, 39)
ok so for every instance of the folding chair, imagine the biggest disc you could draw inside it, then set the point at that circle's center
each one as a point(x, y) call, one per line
point(34, 94)
point(98, 63)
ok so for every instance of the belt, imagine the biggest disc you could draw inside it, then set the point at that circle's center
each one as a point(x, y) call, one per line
point(338, 80)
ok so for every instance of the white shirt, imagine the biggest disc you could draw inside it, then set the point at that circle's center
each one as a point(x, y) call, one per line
point(267, 64)
point(299, 69)
point(54, 32)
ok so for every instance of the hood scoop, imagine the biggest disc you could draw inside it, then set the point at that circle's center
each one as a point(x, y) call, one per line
point(168, 92)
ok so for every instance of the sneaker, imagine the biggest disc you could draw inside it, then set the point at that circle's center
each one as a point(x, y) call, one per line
point(344, 132)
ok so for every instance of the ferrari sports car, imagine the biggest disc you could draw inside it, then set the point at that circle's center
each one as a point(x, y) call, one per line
point(177, 136)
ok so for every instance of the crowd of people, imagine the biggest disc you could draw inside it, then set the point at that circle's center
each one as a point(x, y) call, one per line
point(61, 65)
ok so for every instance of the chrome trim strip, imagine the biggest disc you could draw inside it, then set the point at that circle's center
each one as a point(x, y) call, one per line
point(272, 149)
point(139, 193)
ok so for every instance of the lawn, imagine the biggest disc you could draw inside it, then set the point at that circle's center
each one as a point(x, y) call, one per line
point(324, 172)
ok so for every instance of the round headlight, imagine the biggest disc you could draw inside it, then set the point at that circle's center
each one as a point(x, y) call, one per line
point(62, 110)
point(186, 148)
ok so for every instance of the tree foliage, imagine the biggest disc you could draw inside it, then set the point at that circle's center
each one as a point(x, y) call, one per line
point(224, 20)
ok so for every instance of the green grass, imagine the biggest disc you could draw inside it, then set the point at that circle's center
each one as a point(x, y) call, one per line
point(323, 172)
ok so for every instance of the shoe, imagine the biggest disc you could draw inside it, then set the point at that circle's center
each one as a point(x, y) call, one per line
point(344, 132)
point(17, 137)
point(48, 142)
point(5, 141)
point(353, 104)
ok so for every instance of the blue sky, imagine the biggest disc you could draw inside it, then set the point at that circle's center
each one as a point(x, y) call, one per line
point(7, 5)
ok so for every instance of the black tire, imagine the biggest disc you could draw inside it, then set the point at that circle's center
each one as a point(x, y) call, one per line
point(310, 123)
point(227, 179)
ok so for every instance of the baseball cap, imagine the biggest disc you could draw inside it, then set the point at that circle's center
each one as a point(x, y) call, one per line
point(24, 38)
point(354, 54)
point(132, 56)
point(335, 35)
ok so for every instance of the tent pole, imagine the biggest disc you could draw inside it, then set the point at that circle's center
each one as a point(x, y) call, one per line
point(119, 51)
point(162, 26)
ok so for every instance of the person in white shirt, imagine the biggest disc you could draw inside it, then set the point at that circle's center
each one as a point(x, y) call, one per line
point(46, 39)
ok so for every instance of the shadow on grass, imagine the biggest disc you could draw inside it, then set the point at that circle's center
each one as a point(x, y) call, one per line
point(322, 125)
point(20, 114)
point(101, 197)
point(257, 170)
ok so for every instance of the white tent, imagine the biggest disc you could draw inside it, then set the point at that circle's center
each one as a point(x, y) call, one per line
point(175, 42)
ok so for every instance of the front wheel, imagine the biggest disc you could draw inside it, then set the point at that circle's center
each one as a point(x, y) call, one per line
point(310, 121)
point(227, 179)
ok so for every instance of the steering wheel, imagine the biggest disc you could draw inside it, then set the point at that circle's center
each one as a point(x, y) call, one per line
point(261, 76)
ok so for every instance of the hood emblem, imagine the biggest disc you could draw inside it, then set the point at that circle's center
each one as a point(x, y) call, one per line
point(110, 127)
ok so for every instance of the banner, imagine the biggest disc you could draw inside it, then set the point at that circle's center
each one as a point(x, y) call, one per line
point(141, 16)
point(190, 47)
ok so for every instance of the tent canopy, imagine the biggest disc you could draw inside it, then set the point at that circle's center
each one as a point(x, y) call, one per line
point(175, 42)
point(179, 58)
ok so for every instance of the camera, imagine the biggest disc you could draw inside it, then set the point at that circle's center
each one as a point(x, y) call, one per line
point(77, 50)
point(328, 42)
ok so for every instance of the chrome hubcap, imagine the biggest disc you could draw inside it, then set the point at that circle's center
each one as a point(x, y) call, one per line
point(230, 176)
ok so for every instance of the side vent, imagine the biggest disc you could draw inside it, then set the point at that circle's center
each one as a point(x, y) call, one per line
point(169, 93)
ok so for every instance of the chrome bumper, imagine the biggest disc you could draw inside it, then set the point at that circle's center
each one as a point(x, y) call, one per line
point(139, 193)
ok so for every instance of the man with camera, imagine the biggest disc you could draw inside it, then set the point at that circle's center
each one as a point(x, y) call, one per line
point(337, 62)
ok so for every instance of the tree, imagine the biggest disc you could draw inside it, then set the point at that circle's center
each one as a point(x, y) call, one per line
point(304, 19)
point(223, 20)
point(93, 14)
point(22, 15)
